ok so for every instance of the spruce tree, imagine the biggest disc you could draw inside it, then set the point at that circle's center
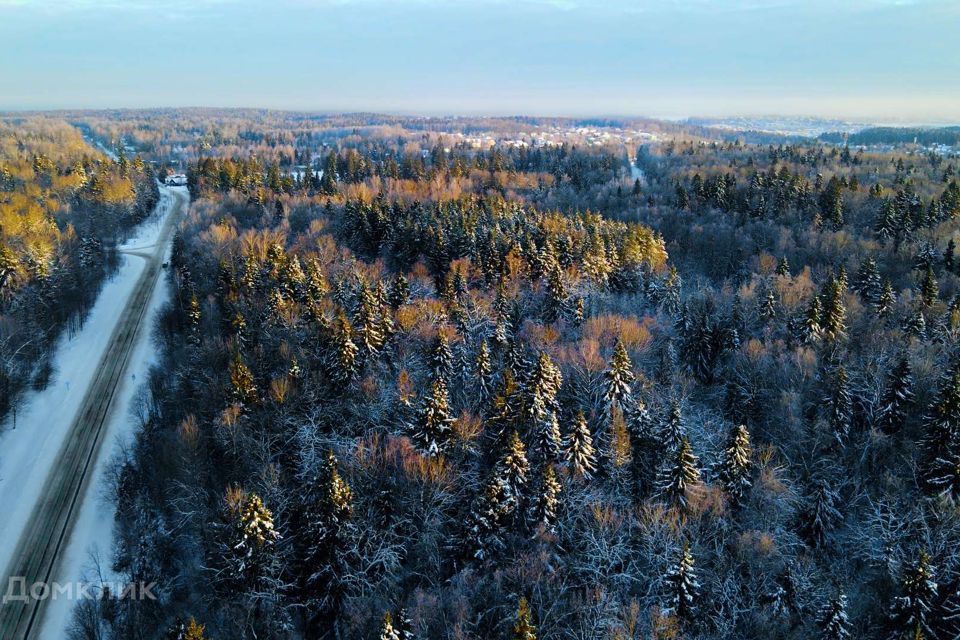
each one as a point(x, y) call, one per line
point(327, 512)
point(838, 405)
point(541, 407)
point(736, 465)
point(580, 455)
point(433, 429)
point(483, 373)
point(915, 325)
point(912, 613)
point(887, 300)
point(833, 621)
point(441, 357)
point(387, 630)
point(682, 587)
point(619, 376)
point(928, 287)
point(399, 292)
point(523, 628)
point(940, 441)
point(811, 330)
point(513, 467)
point(833, 317)
point(897, 397)
point(820, 515)
point(487, 521)
point(680, 473)
point(783, 267)
point(547, 505)
point(672, 429)
point(343, 359)
point(869, 285)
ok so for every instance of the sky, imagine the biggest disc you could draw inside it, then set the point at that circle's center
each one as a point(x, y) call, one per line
point(876, 60)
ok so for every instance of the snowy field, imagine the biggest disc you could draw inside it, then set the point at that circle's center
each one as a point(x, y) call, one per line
point(28, 452)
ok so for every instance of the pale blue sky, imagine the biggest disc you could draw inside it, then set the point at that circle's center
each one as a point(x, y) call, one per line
point(875, 59)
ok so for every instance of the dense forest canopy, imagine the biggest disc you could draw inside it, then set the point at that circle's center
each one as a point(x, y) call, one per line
point(443, 378)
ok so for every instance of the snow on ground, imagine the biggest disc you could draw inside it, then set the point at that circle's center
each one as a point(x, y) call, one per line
point(29, 451)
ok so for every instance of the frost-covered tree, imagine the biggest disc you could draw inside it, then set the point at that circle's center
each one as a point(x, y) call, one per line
point(887, 300)
point(942, 430)
point(343, 362)
point(838, 405)
point(672, 429)
point(897, 398)
point(387, 630)
point(820, 515)
point(682, 587)
point(541, 407)
point(868, 283)
point(433, 428)
point(547, 504)
point(580, 454)
point(441, 357)
point(483, 373)
point(680, 473)
point(618, 376)
point(834, 315)
point(833, 621)
point(911, 616)
point(736, 464)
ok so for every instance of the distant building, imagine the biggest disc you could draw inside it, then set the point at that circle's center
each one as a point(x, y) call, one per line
point(176, 180)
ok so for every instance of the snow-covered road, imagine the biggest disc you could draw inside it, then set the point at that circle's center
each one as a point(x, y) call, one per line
point(29, 454)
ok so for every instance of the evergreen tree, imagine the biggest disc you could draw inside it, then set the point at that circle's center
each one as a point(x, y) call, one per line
point(783, 267)
point(580, 454)
point(433, 430)
point(343, 360)
point(548, 499)
point(513, 467)
point(483, 373)
point(673, 430)
point(736, 464)
point(368, 322)
point(820, 514)
point(833, 621)
point(942, 430)
point(783, 598)
point(768, 308)
point(619, 376)
point(839, 405)
point(248, 551)
point(911, 616)
point(487, 520)
point(523, 628)
point(916, 324)
point(327, 512)
point(811, 327)
point(441, 357)
point(887, 300)
point(869, 285)
point(682, 587)
point(928, 287)
point(541, 408)
point(556, 300)
point(680, 473)
point(897, 397)
point(833, 317)
point(399, 292)
point(387, 630)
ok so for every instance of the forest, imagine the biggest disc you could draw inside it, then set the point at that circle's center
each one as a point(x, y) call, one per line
point(409, 387)
point(63, 205)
